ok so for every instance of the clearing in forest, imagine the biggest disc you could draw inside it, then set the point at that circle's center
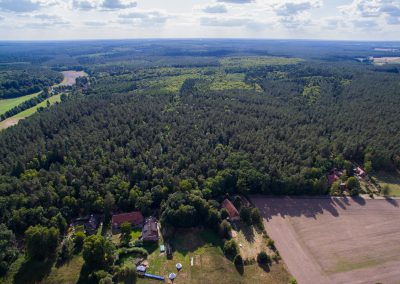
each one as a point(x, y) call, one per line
point(24, 114)
point(71, 76)
point(335, 240)
point(7, 104)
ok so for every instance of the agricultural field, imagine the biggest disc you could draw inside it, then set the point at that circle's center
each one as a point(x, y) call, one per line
point(7, 104)
point(26, 113)
point(71, 76)
point(391, 181)
point(209, 263)
point(335, 240)
point(386, 60)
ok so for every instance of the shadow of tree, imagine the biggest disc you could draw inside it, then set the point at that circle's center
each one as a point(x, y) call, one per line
point(240, 269)
point(392, 201)
point(265, 267)
point(188, 240)
point(248, 232)
point(33, 271)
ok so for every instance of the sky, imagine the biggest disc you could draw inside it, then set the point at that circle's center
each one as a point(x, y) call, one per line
point(271, 19)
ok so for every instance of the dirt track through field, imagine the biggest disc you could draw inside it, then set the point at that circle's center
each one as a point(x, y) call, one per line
point(335, 240)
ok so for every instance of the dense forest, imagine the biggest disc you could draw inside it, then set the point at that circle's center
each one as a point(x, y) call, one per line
point(19, 80)
point(173, 128)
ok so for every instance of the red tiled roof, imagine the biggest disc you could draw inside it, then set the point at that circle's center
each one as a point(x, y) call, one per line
point(332, 178)
point(232, 211)
point(135, 218)
point(360, 171)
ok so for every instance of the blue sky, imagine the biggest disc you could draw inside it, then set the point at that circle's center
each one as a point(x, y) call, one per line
point(299, 19)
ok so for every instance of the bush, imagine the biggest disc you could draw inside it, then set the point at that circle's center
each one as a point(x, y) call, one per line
point(126, 274)
point(276, 257)
point(238, 261)
point(245, 215)
point(230, 249)
point(271, 244)
point(292, 281)
point(79, 238)
point(225, 229)
point(263, 258)
point(224, 214)
point(135, 250)
point(256, 218)
point(66, 251)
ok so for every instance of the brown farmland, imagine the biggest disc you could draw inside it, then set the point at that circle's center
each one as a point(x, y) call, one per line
point(335, 240)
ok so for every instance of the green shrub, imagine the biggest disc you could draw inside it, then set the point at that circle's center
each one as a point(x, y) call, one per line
point(225, 229)
point(230, 248)
point(79, 238)
point(263, 258)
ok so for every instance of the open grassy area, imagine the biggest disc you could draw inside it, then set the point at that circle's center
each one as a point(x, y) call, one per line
point(43, 272)
point(251, 241)
point(209, 263)
point(391, 180)
point(255, 61)
point(24, 114)
point(7, 104)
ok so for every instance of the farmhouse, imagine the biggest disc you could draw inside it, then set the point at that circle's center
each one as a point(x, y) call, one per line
point(90, 223)
point(134, 218)
point(150, 230)
point(333, 176)
point(232, 211)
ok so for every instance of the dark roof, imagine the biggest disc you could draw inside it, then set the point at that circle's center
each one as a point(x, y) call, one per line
point(135, 218)
point(92, 224)
point(150, 229)
point(232, 211)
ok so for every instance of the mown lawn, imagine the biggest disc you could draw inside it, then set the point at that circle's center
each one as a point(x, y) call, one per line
point(209, 263)
point(26, 272)
point(391, 180)
point(7, 104)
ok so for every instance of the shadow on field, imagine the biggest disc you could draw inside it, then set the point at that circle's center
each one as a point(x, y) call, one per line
point(32, 271)
point(392, 201)
point(308, 206)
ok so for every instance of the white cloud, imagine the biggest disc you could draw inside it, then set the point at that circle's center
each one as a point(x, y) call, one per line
point(141, 17)
point(237, 1)
point(204, 18)
point(289, 8)
point(103, 4)
point(215, 9)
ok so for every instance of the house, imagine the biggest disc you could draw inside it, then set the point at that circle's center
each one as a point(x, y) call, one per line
point(89, 223)
point(232, 211)
point(333, 176)
point(359, 172)
point(134, 218)
point(150, 230)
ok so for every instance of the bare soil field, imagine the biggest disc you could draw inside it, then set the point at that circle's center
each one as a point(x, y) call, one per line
point(70, 77)
point(386, 60)
point(335, 240)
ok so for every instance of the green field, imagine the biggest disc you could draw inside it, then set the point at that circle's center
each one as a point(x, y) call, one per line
point(43, 272)
point(256, 61)
point(7, 104)
point(24, 114)
point(390, 180)
point(209, 263)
